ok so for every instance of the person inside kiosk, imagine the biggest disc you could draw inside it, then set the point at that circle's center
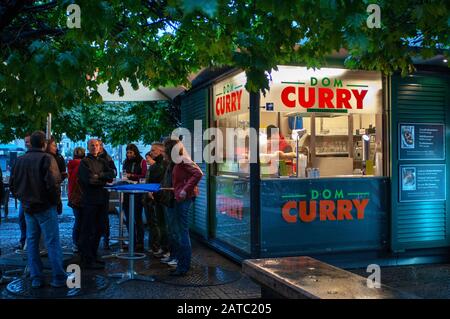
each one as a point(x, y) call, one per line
point(276, 139)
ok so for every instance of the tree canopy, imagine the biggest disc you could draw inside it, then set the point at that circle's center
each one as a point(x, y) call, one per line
point(48, 67)
point(115, 123)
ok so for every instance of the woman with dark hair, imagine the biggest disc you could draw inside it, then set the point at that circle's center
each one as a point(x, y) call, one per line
point(135, 168)
point(185, 177)
point(52, 149)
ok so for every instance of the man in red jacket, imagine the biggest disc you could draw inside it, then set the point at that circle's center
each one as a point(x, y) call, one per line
point(185, 177)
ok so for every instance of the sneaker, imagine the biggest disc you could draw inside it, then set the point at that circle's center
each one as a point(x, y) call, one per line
point(173, 263)
point(158, 253)
point(166, 259)
point(20, 249)
point(166, 255)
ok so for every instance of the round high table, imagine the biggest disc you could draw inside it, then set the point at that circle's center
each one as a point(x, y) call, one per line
point(131, 256)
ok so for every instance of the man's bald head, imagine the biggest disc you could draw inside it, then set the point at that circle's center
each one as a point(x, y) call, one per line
point(94, 146)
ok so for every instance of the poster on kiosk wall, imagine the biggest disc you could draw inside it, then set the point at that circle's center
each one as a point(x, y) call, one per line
point(422, 182)
point(421, 141)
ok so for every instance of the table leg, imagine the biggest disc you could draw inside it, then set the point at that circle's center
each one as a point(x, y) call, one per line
point(121, 218)
point(131, 274)
point(131, 235)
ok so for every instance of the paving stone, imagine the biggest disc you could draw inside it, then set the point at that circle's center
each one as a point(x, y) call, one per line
point(239, 287)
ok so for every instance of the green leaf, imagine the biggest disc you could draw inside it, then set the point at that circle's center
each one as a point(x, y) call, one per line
point(207, 6)
point(36, 45)
point(66, 58)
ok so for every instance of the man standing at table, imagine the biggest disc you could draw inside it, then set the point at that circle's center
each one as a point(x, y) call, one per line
point(104, 155)
point(93, 174)
point(158, 244)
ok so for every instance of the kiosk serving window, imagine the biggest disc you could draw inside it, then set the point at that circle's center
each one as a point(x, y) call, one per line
point(232, 120)
point(327, 123)
point(230, 113)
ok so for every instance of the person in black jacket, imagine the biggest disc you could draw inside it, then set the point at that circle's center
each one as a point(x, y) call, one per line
point(104, 155)
point(158, 242)
point(36, 182)
point(52, 149)
point(93, 175)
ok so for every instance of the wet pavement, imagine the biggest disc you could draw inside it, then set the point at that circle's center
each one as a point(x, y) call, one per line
point(212, 275)
point(424, 281)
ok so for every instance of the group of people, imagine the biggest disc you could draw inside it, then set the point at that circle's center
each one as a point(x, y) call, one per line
point(36, 181)
point(166, 211)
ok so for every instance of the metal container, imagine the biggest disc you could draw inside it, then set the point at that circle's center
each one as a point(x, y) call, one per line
point(309, 172)
point(316, 172)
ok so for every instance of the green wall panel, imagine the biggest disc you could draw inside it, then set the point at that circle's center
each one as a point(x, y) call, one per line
point(420, 224)
point(194, 107)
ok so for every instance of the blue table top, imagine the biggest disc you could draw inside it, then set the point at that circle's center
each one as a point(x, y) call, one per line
point(135, 188)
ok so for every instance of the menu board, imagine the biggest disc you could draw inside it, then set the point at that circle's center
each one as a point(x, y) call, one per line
point(421, 141)
point(422, 182)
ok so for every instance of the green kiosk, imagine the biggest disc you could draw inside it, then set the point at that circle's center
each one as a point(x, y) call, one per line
point(363, 173)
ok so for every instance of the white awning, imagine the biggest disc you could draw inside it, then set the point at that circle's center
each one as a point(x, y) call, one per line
point(142, 94)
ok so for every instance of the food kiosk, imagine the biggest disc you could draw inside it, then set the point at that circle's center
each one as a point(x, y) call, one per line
point(360, 173)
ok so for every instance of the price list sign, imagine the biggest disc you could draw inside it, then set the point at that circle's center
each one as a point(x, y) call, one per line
point(422, 182)
point(421, 141)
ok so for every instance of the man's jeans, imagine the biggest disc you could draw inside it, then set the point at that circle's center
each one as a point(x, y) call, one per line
point(169, 214)
point(47, 222)
point(158, 229)
point(92, 228)
point(76, 226)
point(183, 250)
point(22, 225)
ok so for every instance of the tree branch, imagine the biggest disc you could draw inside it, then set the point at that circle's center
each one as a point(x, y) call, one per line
point(41, 7)
point(10, 10)
point(28, 35)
